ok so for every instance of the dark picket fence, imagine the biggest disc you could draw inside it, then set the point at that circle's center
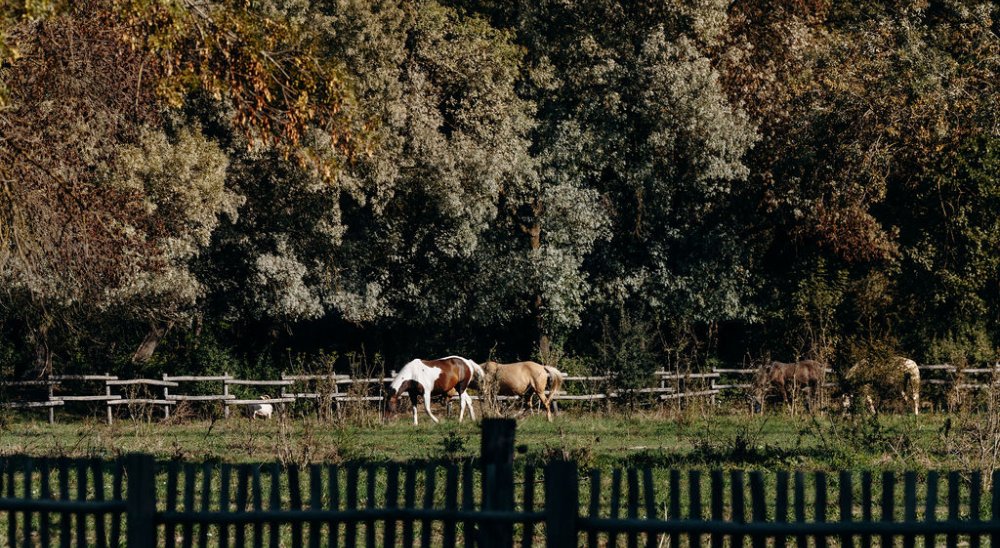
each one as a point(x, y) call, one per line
point(136, 501)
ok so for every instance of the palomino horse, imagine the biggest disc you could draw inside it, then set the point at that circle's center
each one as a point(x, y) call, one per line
point(790, 378)
point(899, 373)
point(433, 378)
point(521, 379)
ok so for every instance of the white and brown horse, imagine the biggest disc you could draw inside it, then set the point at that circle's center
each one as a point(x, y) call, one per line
point(433, 378)
point(523, 379)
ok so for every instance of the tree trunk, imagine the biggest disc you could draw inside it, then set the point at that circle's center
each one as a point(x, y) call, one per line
point(43, 354)
point(148, 346)
point(534, 232)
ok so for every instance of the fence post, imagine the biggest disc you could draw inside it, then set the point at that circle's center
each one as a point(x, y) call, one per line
point(107, 392)
point(497, 461)
point(562, 504)
point(140, 504)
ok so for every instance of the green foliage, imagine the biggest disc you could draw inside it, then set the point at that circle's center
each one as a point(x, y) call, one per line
point(182, 186)
point(627, 349)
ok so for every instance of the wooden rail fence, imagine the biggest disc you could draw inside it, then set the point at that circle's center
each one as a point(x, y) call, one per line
point(139, 502)
point(334, 388)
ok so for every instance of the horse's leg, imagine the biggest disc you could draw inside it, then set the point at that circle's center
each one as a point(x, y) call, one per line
point(413, 404)
point(427, 405)
point(539, 388)
point(461, 406)
point(468, 401)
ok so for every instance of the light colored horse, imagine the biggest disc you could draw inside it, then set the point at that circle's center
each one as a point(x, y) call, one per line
point(520, 379)
point(262, 410)
point(900, 370)
point(433, 378)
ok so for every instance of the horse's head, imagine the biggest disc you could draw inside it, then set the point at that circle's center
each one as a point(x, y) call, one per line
point(392, 399)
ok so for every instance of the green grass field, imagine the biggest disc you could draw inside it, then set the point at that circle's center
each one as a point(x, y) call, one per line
point(774, 441)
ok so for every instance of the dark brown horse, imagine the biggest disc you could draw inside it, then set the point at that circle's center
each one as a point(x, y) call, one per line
point(791, 379)
point(433, 378)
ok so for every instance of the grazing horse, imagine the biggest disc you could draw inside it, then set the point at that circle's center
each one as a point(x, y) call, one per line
point(433, 378)
point(899, 373)
point(262, 410)
point(789, 378)
point(521, 379)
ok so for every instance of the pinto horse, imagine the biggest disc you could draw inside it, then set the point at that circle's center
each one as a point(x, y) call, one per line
point(521, 379)
point(433, 378)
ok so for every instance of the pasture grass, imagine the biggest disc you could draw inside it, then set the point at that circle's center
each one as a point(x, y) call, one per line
point(693, 440)
point(595, 439)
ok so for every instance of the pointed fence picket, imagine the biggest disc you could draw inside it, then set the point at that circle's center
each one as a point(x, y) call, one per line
point(135, 501)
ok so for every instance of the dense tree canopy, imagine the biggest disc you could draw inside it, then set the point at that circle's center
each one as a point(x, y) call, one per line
point(212, 184)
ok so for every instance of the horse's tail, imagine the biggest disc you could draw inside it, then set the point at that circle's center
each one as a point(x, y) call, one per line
point(475, 368)
point(555, 380)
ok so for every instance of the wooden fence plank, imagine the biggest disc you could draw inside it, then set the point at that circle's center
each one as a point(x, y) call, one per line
point(427, 526)
point(650, 495)
point(951, 540)
point(350, 528)
point(930, 506)
point(468, 494)
point(81, 495)
point(995, 505)
point(595, 503)
point(845, 500)
point(27, 473)
point(866, 505)
point(909, 505)
point(274, 503)
point(116, 494)
point(975, 505)
point(258, 505)
point(44, 520)
point(100, 531)
point(206, 500)
point(409, 501)
point(371, 474)
point(333, 486)
point(694, 503)
point(819, 513)
point(451, 501)
point(737, 492)
point(616, 494)
point(758, 506)
point(781, 505)
point(187, 530)
point(225, 478)
point(316, 503)
point(800, 506)
point(632, 477)
point(8, 471)
point(141, 502)
point(717, 486)
point(888, 503)
point(295, 501)
point(242, 499)
point(561, 511)
point(674, 511)
point(391, 501)
point(65, 518)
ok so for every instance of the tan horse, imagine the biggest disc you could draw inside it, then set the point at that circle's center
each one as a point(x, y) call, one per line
point(898, 374)
point(520, 378)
